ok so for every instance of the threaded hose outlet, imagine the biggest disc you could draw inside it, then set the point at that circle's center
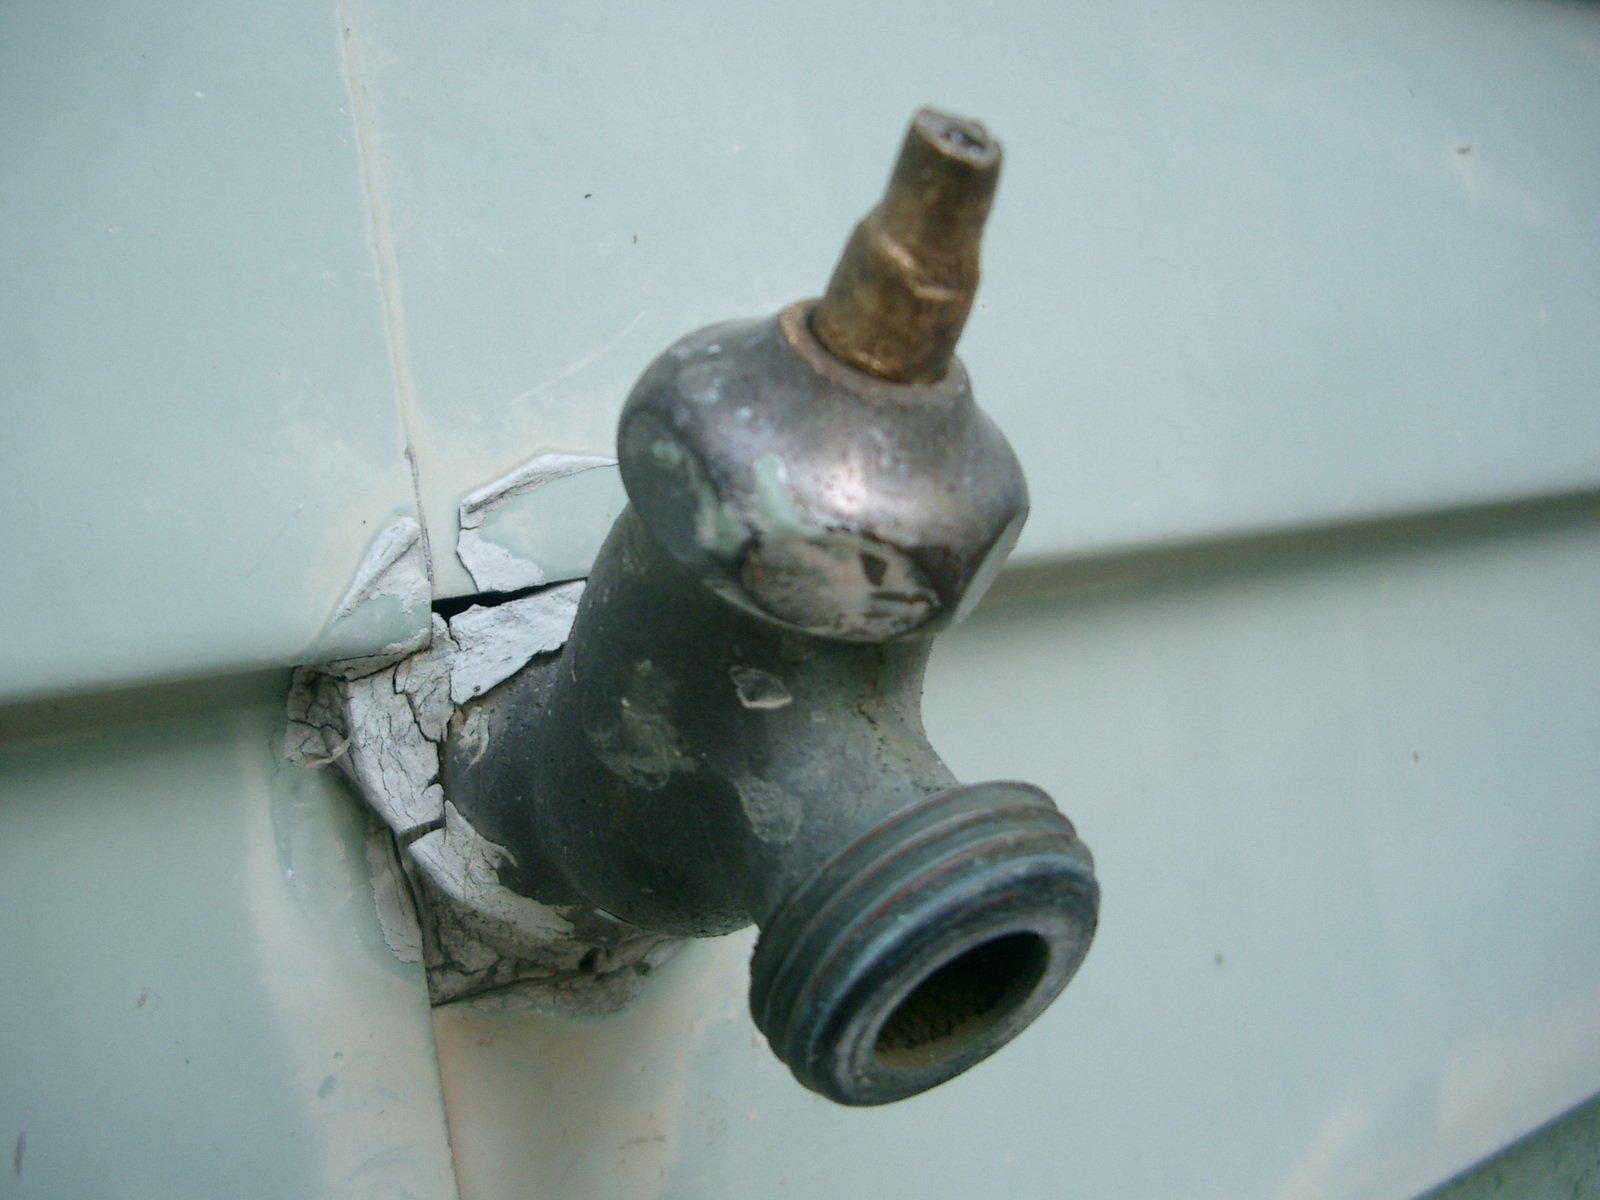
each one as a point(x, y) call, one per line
point(926, 944)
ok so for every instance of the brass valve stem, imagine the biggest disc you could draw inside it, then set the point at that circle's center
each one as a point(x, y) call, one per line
point(905, 283)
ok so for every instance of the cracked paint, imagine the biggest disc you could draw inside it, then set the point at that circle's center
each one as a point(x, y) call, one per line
point(397, 910)
point(439, 895)
point(385, 605)
point(493, 643)
point(465, 866)
point(382, 720)
point(384, 729)
point(495, 565)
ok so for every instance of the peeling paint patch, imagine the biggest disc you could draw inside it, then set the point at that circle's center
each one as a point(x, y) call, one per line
point(494, 643)
point(306, 744)
point(495, 567)
point(384, 603)
point(774, 813)
point(760, 689)
point(475, 734)
point(702, 381)
point(393, 566)
point(425, 681)
point(465, 866)
point(368, 730)
point(609, 988)
point(440, 899)
point(635, 738)
point(384, 729)
point(397, 912)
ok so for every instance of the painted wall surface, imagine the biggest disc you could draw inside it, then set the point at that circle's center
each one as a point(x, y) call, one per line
point(275, 277)
point(198, 1000)
point(201, 433)
point(1291, 314)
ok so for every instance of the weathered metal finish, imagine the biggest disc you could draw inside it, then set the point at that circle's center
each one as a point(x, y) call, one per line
point(733, 731)
point(839, 504)
point(900, 295)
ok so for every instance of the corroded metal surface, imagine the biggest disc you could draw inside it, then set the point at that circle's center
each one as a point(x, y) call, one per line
point(732, 734)
point(842, 505)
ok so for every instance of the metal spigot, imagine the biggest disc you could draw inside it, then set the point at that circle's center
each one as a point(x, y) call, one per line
point(899, 298)
point(732, 733)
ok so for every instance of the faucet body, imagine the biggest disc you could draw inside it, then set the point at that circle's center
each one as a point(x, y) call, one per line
point(691, 757)
point(732, 733)
point(725, 728)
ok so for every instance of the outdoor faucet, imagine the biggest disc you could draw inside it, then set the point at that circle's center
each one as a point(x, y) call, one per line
point(732, 732)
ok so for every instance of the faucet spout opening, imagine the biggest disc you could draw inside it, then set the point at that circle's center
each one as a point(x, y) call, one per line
point(961, 1001)
point(926, 945)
